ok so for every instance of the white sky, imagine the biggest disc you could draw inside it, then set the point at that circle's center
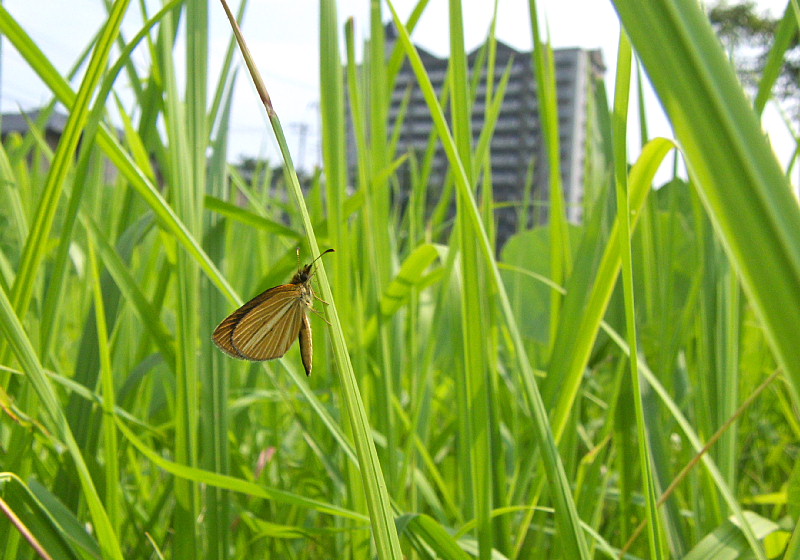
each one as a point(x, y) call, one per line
point(283, 35)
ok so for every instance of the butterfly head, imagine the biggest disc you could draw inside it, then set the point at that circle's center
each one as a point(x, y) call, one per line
point(305, 273)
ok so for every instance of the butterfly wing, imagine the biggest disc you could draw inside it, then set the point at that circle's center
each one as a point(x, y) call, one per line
point(223, 334)
point(267, 330)
point(263, 328)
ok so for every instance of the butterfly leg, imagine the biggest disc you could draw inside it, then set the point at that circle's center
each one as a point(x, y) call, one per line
point(320, 315)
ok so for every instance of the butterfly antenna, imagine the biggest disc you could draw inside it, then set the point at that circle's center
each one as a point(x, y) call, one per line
point(318, 258)
point(322, 253)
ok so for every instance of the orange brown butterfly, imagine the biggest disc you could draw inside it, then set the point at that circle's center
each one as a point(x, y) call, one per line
point(266, 326)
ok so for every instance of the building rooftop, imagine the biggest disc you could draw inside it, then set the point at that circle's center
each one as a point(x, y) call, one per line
point(20, 122)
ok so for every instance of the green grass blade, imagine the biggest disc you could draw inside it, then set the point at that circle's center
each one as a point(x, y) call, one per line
point(733, 167)
point(248, 217)
point(334, 155)
point(381, 514)
point(108, 142)
point(548, 103)
point(571, 535)
point(620, 122)
point(112, 495)
point(45, 523)
point(578, 335)
point(57, 423)
point(784, 36)
point(185, 121)
point(473, 391)
point(231, 483)
point(40, 230)
point(429, 537)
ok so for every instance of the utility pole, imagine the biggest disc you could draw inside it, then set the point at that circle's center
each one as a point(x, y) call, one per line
point(302, 133)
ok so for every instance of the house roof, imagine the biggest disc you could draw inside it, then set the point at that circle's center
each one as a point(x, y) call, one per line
point(20, 122)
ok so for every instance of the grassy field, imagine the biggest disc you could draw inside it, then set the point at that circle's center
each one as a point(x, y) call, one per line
point(623, 387)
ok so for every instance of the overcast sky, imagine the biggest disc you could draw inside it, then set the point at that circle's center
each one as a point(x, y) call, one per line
point(290, 28)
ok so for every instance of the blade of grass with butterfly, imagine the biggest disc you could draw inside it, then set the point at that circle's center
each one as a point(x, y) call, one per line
point(382, 520)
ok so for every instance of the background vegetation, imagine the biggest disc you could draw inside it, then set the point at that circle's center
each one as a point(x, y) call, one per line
point(539, 404)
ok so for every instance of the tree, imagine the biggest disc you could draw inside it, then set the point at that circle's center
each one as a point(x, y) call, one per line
point(748, 37)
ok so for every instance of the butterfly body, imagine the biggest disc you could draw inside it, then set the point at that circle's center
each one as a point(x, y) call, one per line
point(265, 327)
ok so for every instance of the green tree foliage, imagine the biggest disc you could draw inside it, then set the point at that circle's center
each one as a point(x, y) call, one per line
point(748, 37)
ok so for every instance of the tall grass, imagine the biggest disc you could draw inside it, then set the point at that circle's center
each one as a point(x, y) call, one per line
point(537, 404)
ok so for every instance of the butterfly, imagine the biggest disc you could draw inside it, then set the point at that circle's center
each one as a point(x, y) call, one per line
point(266, 326)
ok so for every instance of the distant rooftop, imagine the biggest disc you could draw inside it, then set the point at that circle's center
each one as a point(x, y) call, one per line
point(19, 122)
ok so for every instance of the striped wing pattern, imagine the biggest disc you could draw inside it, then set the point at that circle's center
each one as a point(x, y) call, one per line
point(265, 327)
